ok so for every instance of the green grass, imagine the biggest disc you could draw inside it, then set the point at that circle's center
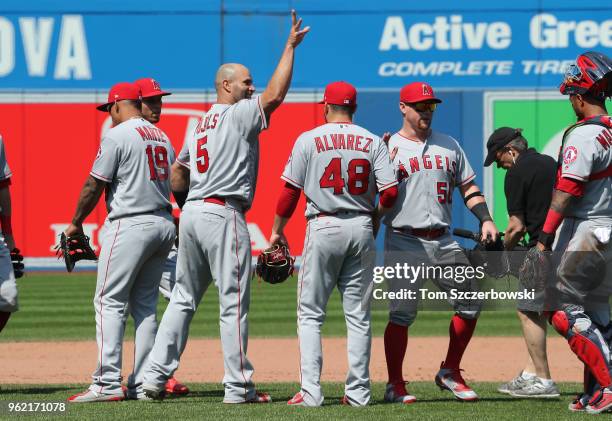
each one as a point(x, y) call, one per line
point(205, 403)
point(59, 307)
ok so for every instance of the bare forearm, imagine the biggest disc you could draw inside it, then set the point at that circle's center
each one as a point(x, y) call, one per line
point(5, 201)
point(514, 232)
point(90, 194)
point(279, 83)
point(560, 201)
point(179, 178)
point(278, 227)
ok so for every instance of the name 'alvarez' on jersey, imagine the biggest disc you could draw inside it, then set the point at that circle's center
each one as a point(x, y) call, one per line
point(428, 172)
point(340, 167)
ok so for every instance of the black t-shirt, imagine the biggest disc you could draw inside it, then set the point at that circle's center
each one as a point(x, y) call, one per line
point(529, 186)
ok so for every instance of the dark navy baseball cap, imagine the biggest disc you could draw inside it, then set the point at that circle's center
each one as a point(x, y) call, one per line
point(498, 139)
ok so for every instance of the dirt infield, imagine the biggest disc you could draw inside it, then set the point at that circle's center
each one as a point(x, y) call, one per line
point(276, 360)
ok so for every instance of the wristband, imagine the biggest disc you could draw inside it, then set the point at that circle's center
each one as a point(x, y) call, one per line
point(5, 222)
point(481, 211)
point(546, 239)
point(469, 196)
point(552, 222)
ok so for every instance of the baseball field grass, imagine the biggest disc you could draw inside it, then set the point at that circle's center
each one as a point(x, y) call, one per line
point(205, 403)
point(59, 307)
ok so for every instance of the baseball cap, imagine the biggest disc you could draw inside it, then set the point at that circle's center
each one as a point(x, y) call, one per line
point(418, 92)
point(120, 92)
point(340, 93)
point(150, 87)
point(498, 139)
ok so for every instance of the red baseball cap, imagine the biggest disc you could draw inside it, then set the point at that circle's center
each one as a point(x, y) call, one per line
point(119, 92)
point(340, 93)
point(150, 87)
point(418, 92)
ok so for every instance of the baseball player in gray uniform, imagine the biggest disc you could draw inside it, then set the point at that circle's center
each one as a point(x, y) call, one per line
point(582, 200)
point(8, 286)
point(340, 166)
point(152, 94)
point(214, 239)
point(133, 165)
point(429, 165)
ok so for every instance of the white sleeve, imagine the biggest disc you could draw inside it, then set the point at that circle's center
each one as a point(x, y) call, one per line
point(250, 116)
point(384, 170)
point(295, 169)
point(578, 157)
point(465, 173)
point(107, 160)
point(183, 156)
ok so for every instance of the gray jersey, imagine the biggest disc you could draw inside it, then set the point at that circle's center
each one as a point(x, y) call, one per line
point(5, 171)
point(428, 173)
point(587, 157)
point(224, 152)
point(183, 156)
point(134, 159)
point(340, 166)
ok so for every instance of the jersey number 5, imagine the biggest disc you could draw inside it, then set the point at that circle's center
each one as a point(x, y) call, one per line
point(202, 155)
point(158, 162)
point(445, 195)
point(358, 176)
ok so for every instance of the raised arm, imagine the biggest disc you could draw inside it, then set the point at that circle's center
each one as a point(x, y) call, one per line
point(280, 81)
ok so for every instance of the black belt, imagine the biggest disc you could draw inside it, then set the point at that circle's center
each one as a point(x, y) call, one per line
point(427, 233)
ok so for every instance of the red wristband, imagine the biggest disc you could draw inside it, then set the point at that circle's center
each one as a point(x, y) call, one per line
point(5, 222)
point(552, 222)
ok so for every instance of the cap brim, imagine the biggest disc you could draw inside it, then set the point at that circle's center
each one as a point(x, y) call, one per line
point(104, 107)
point(321, 102)
point(160, 93)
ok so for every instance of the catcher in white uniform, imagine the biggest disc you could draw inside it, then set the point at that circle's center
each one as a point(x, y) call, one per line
point(341, 167)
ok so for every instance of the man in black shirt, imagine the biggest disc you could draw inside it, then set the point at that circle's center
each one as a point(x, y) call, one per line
point(528, 187)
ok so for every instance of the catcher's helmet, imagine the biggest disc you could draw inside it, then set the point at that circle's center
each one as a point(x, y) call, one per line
point(592, 73)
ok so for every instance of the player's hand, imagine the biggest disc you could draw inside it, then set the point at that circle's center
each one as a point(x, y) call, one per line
point(278, 238)
point(296, 35)
point(540, 246)
point(488, 232)
point(10, 241)
point(73, 230)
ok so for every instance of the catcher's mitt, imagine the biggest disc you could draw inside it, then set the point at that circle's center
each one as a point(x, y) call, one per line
point(73, 249)
point(17, 260)
point(275, 265)
point(535, 270)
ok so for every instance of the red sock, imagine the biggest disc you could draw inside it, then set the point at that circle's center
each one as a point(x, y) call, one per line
point(460, 332)
point(4, 316)
point(396, 342)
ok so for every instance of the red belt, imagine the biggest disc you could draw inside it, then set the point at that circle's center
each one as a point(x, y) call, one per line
point(216, 200)
point(427, 233)
point(320, 214)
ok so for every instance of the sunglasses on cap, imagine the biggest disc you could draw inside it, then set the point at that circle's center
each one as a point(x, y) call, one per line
point(423, 106)
point(572, 73)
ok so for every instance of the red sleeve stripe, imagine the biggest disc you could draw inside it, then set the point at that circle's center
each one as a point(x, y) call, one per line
point(288, 180)
point(263, 115)
point(570, 175)
point(386, 186)
point(467, 180)
point(100, 177)
point(184, 164)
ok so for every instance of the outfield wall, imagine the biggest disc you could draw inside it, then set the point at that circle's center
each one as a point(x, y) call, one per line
point(492, 64)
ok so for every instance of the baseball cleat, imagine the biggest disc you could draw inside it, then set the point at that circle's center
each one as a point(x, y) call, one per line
point(451, 379)
point(535, 388)
point(397, 393)
point(174, 387)
point(579, 403)
point(153, 393)
point(515, 384)
point(601, 402)
point(297, 400)
point(92, 396)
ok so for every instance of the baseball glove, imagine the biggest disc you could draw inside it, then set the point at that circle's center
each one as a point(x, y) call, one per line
point(535, 270)
point(275, 265)
point(492, 257)
point(74, 248)
point(17, 259)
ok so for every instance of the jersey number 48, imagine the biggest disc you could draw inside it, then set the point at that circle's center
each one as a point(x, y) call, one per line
point(358, 176)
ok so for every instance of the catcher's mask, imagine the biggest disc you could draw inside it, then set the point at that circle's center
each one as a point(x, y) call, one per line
point(590, 73)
